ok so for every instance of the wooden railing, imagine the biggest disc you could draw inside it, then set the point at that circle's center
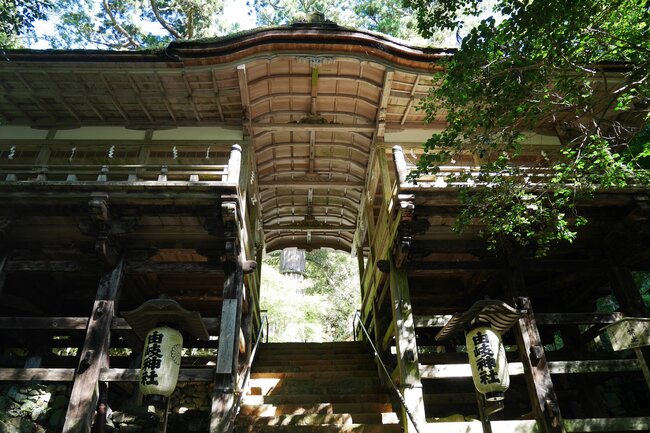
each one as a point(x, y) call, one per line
point(113, 173)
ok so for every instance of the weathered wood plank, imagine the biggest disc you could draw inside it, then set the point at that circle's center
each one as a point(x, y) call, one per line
point(80, 323)
point(629, 297)
point(83, 397)
point(105, 375)
point(448, 371)
point(48, 374)
point(440, 320)
point(523, 426)
point(130, 267)
point(435, 321)
point(133, 375)
point(576, 318)
point(641, 423)
point(227, 336)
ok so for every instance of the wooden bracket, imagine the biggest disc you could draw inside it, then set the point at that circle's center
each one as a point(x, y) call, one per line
point(101, 225)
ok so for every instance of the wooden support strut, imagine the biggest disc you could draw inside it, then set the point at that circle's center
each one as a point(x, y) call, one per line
point(536, 370)
point(629, 298)
point(406, 349)
point(225, 384)
point(94, 355)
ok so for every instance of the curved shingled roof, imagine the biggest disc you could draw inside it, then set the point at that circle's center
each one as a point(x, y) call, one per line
point(315, 103)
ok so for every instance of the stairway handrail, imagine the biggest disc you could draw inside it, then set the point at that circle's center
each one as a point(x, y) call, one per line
point(241, 386)
point(400, 397)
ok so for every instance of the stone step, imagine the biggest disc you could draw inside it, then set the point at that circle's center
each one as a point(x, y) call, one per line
point(331, 374)
point(335, 347)
point(376, 408)
point(312, 399)
point(343, 385)
point(312, 359)
point(348, 428)
point(319, 418)
point(352, 367)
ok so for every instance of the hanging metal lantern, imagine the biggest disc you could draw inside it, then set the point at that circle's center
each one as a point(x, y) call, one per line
point(161, 361)
point(487, 358)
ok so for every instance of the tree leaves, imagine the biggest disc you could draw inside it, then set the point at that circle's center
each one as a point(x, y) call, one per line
point(135, 24)
point(579, 69)
point(17, 18)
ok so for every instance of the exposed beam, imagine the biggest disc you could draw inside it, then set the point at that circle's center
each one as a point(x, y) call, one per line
point(306, 184)
point(245, 98)
point(383, 105)
point(449, 371)
point(105, 375)
point(307, 227)
point(306, 127)
point(131, 267)
point(80, 323)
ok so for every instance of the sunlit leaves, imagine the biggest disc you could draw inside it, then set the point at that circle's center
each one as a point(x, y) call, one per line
point(579, 69)
point(17, 18)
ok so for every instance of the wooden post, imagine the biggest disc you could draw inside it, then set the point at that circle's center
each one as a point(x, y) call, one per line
point(225, 384)
point(406, 349)
point(3, 275)
point(94, 355)
point(631, 303)
point(234, 164)
point(538, 377)
point(384, 172)
point(400, 164)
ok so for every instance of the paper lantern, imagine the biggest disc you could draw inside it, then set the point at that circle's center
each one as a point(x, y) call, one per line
point(161, 361)
point(487, 358)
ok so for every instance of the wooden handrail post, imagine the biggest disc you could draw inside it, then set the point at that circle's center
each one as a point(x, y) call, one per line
point(406, 348)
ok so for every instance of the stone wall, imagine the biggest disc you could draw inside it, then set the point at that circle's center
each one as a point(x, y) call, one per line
point(41, 408)
point(33, 408)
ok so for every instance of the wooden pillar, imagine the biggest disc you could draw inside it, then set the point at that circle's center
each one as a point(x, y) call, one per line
point(406, 348)
point(94, 355)
point(3, 275)
point(538, 377)
point(234, 164)
point(384, 172)
point(400, 164)
point(223, 396)
point(631, 303)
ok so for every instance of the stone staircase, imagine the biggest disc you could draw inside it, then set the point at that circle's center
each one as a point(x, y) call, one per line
point(316, 388)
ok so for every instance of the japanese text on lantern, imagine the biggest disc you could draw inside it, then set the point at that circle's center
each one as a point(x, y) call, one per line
point(485, 362)
point(152, 359)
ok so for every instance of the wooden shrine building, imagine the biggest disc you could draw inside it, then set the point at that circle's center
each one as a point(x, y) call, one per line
point(127, 176)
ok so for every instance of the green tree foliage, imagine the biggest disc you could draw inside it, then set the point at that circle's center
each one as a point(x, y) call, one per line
point(280, 12)
point(318, 307)
point(389, 17)
point(578, 69)
point(17, 19)
point(135, 24)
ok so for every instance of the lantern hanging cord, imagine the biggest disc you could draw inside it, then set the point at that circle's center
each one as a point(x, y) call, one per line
point(400, 397)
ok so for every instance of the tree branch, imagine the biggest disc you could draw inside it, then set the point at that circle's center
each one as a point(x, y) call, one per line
point(118, 27)
point(162, 21)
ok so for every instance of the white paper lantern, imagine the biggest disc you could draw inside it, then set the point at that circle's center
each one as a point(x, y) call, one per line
point(487, 358)
point(161, 361)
